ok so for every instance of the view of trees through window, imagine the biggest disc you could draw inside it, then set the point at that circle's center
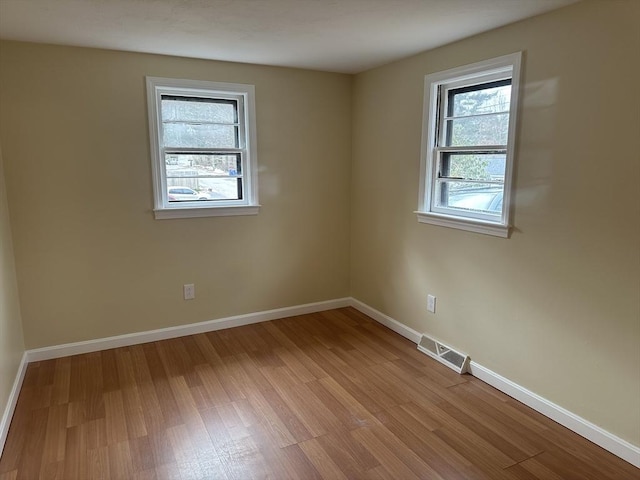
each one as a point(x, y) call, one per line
point(476, 117)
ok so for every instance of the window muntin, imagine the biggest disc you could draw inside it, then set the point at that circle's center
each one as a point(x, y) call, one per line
point(469, 126)
point(202, 142)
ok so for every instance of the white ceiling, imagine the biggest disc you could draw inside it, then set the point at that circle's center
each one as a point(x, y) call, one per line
point(334, 35)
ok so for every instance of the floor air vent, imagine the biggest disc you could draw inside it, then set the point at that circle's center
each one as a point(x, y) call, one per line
point(445, 355)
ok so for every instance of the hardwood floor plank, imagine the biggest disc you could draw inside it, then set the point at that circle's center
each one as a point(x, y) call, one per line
point(348, 378)
point(515, 434)
point(141, 454)
point(330, 395)
point(297, 465)
point(288, 417)
point(511, 446)
point(110, 378)
point(117, 429)
point(153, 416)
point(246, 375)
point(308, 409)
point(46, 372)
point(349, 455)
point(380, 473)
point(168, 472)
point(473, 393)
point(192, 419)
point(275, 329)
point(161, 449)
point(271, 343)
point(61, 381)
point(226, 342)
point(246, 413)
point(447, 462)
point(381, 452)
point(348, 413)
point(239, 455)
point(146, 475)
point(479, 452)
point(167, 402)
point(215, 392)
point(9, 475)
point(55, 439)
point(120, 465)
point(52, 471)
point(76, 461)
point(133, 412)
point(207, 349)
point(407, 456)
point(270, 422)
point(299, 364)
point(321, 460)
point(98, 463)
point(95, 433)
point(567, 468)
point(531, 469)
point(140, 366)
point(190, 464)
point(279, 377)
point(196, 357)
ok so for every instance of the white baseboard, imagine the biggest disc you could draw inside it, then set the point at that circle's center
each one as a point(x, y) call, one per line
point(5, 422)
point(396, 326)
point(619, 447)
point(76, 348)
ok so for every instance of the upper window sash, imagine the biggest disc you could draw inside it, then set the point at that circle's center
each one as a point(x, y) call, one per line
point(237, 124)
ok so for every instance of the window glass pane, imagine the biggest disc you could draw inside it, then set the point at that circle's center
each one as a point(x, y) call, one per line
point(224, 188)
point(474, 166)
point(483, 130)
point(204, 176)
point(189, 109)
point(475, 197)
point(200, 135)
point(480, 100)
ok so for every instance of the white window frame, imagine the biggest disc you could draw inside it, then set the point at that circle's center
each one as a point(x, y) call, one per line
point(507, 66)
point(245, 96)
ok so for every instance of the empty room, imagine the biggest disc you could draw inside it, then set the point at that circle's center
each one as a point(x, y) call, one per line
point(308, 239)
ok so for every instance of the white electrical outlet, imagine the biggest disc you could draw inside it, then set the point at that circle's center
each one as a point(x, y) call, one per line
point(189, 291)
point(431, 303)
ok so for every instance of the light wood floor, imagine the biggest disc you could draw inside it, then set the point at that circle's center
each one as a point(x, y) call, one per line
point(332, 395)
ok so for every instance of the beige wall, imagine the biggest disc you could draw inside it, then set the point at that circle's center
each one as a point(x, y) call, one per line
point(11, 342)
point(556, 308)
point(92, 261)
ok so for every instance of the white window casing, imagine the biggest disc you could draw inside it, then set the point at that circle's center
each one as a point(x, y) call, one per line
point(438, 152)
point(242, 129)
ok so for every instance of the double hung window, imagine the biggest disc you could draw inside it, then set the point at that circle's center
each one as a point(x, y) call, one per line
point(203, 148)
point(468, 144)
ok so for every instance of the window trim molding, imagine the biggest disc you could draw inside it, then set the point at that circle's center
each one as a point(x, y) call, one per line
point(156, 87)
point(425, 213)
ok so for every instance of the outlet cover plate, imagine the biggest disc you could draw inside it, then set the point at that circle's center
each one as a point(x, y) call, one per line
point(431, 303)
point(189, 291)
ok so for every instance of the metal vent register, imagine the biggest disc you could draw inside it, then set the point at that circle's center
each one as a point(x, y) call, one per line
point(446, 355)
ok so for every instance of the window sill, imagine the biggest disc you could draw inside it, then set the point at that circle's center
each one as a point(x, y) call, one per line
point(197, 212)
point(477, 226)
